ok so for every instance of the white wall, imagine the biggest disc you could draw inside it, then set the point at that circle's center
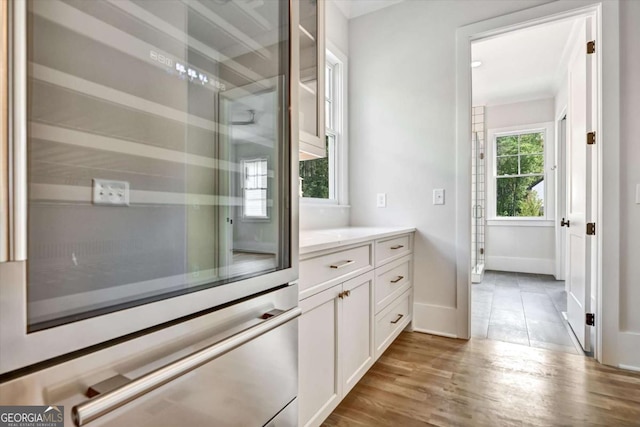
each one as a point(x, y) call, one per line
point(403, 143)
point(519, 248)
point(337, 26)
point(630, 169)
point(317, 216)
point(521, 113)
point(402, 134)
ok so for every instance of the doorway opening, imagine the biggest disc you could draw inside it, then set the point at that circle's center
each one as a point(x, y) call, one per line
point(533, 103)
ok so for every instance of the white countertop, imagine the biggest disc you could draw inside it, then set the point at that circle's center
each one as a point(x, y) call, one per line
point(317, 240)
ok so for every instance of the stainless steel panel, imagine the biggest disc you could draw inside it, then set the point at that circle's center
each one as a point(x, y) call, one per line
point(4, 131)
point(18, 107)
point(246, 386)
point(137, 388)
point(288, 417)
point(18, 348)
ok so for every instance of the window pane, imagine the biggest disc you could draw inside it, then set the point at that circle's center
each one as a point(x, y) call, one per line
point(531, 143)
point(520, 197)
point(328, 85)
point(507, 145)
point(255, 203)
point(315, 174)
point(328, 114)
point(507, 165)
point(532, 164)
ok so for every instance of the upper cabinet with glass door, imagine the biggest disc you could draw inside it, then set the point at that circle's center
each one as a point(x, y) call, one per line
point(311, 103)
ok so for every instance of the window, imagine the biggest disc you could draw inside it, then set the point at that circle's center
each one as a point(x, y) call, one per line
point(520, 175)
point(520, 187)
point(255, 188)
point(320, 177)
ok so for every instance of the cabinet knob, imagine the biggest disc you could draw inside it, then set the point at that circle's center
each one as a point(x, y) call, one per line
point(344, 294)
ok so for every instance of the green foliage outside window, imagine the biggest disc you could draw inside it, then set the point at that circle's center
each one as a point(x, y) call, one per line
point(315, 176)
point(519, 168)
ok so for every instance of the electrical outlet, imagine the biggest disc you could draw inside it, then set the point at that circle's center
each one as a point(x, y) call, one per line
point(110, 193)
point(381, 200)
point(438, 196)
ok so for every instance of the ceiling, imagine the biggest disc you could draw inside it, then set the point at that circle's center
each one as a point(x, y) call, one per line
point(355, 8)
point(521, 65)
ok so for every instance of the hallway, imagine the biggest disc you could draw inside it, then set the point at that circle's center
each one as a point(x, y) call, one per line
point(522, 309)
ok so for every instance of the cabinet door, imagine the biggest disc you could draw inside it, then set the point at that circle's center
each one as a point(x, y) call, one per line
point(311, 83)
point(356, 327)
point(320, 380)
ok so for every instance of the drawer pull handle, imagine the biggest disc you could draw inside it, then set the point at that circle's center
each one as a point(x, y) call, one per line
point(397, 247)
point(397, 279)
point(103, 404)
point(341, 295)
point(400, 316)
point(342, 264)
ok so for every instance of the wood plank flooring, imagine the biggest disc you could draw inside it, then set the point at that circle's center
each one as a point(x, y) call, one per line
point(428, 380)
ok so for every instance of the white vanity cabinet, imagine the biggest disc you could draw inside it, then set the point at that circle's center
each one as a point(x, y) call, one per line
point(356, 298)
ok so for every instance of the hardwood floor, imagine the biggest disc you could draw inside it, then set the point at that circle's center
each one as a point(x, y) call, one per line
point(427, 380)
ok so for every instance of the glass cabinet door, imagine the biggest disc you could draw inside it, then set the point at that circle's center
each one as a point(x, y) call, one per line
point(158, 150)
point(311, 95)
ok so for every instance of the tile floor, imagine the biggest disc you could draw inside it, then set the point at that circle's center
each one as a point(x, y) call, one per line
point(522, 309)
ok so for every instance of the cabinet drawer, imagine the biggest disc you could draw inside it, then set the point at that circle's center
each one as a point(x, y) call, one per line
point(391, 321)
point(320, 272)
point(391, 249)
point(391, 281)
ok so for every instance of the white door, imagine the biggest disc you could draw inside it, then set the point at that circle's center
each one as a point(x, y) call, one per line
point(356, 330)
point(318, 342)
point(579, 192)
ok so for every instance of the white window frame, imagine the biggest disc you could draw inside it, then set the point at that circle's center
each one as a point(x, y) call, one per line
point(246, 217)
point(337, 152)
point(549, 176)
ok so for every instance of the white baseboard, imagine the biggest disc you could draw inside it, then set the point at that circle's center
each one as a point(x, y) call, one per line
point(629, 367)
point(628, 354)
point(521, 265)
point(435, 320)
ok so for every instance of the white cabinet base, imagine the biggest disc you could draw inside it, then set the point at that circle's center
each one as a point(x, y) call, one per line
point(355, 298)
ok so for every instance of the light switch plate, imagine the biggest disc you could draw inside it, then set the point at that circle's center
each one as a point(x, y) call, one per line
point(438, 196)
point(110, 193)
point(638, 194)
point(381, 200)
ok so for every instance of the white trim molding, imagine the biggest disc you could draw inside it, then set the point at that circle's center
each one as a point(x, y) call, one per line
point(435, 320)
point(609, 349)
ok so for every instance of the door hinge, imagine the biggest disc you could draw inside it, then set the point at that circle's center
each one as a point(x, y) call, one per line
point(591, 319)
point(591, 47)
point(591, 229)
point(591, 138)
